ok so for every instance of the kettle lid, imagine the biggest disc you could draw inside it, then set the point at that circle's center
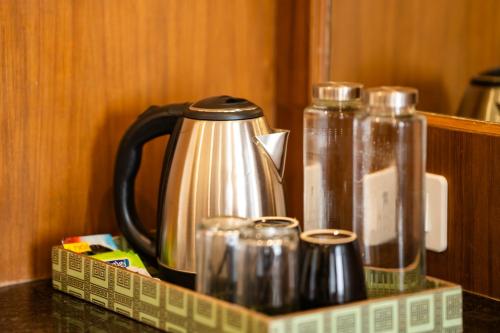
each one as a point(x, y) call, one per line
point(223, 108)
point(490, 78)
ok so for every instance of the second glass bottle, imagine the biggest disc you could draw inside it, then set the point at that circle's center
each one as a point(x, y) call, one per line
point(389, 190)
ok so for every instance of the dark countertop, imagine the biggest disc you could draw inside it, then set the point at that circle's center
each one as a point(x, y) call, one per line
point(36, 307)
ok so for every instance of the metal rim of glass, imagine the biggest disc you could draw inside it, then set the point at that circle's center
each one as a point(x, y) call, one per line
point(224, 223)
point(337, 91)
point(269, 233)
point(290, 222)
point(339, 236)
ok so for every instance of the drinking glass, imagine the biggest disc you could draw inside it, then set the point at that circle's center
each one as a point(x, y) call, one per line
point(332, 270)
point(216, 255)
point(268, 269)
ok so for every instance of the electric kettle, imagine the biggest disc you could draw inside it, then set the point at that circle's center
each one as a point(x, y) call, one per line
point(481, 99)
point(222, 158)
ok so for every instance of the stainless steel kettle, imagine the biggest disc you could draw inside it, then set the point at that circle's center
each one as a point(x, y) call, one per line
point(481, 99)
point(222, 158)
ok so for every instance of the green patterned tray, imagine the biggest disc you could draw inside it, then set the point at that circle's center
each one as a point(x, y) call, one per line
point(175, 309)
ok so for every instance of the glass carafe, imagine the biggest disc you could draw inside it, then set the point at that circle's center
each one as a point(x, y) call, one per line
point(328, 155)
point(389, 207)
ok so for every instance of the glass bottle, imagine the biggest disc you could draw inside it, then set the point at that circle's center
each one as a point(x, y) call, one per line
point(328, 155)
point(389, 208)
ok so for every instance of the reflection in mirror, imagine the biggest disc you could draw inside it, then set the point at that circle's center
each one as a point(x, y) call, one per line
point(481, 99)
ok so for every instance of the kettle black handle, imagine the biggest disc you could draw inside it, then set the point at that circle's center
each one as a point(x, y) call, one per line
point(154, 122)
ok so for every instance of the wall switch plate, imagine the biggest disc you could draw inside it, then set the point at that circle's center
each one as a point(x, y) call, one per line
point(314, 205)
point(379, 207)
point(436, 217)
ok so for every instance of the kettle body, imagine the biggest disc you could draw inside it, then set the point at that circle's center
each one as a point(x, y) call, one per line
point(481, 99)
point(222, 159)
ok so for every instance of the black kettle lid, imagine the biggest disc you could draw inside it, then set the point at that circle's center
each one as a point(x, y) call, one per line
point(223, 108)
point(489, 78)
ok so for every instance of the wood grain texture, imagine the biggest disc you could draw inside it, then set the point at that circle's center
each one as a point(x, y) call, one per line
point(471, 163)
point(435, 46)
point(292, 91)
point(75, 74)
point(320, 40)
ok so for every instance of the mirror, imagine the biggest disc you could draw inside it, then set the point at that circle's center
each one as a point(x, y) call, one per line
point(442, 48)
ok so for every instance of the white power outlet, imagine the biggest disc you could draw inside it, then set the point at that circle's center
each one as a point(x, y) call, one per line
point(436, 217)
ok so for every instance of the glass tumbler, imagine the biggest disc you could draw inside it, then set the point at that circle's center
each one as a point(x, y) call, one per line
point(332, 271)
point(216, 256)
point(268, 270)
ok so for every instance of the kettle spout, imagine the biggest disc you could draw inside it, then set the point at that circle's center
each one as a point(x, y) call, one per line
point(274, 146)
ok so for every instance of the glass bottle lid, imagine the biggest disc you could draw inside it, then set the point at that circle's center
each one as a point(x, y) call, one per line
point(337, 91)
point(390, 96)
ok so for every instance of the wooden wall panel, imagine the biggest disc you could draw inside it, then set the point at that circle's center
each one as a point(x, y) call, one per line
point(75, 74)
point(292, 91)
point(467, 153)
point(435, 46)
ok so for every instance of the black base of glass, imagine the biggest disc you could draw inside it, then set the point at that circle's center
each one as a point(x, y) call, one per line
point(183, 279)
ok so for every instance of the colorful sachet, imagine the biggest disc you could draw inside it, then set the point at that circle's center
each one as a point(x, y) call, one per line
point(104, 248)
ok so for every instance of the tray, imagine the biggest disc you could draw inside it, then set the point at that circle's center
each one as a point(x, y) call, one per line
point(175, 309)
